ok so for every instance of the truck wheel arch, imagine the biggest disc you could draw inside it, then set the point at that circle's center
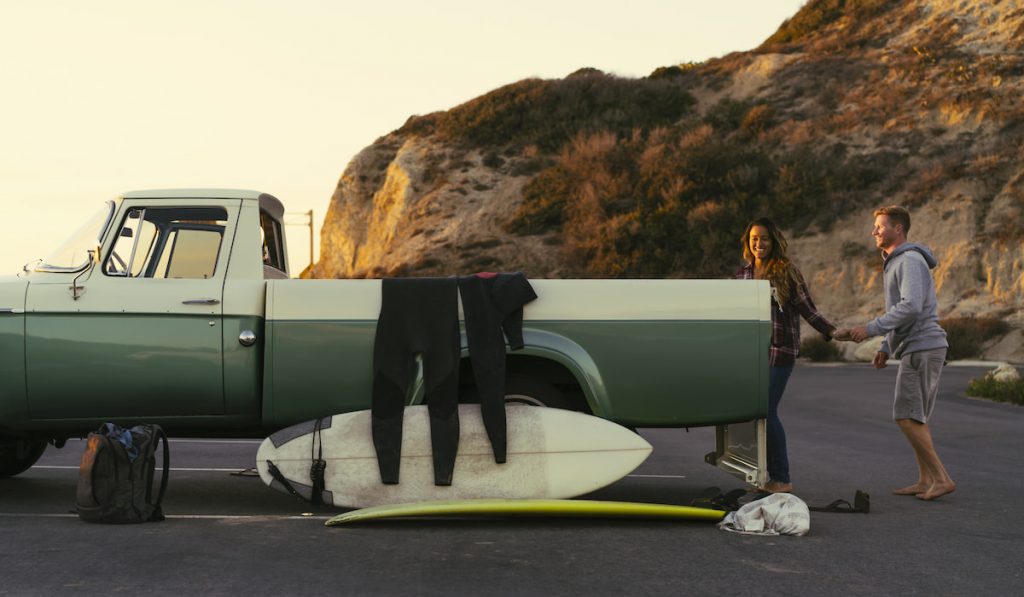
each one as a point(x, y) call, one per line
point(550, 370)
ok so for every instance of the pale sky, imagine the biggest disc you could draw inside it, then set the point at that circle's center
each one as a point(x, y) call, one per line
point(105, 96)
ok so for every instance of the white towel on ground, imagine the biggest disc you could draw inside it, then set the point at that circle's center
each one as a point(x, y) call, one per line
point(777, 514)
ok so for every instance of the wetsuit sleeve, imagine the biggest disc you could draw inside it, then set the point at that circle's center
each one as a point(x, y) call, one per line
point(510, 293)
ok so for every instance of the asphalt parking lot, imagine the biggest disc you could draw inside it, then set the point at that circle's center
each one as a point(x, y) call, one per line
point(227, 534)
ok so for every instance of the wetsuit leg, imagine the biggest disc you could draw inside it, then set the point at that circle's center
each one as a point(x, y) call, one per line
point(441, 376)
point(443, 405)
point(386, 415)
point(487, 355)
point(393, 367)
point(493, 304)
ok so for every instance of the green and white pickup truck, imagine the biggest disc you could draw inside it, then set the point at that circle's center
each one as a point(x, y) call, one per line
point(175, 307)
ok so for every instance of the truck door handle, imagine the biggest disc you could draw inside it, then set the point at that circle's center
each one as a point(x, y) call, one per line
point(201, 301)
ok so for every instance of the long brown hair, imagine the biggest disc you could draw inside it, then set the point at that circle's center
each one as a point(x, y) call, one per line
point(778, 269)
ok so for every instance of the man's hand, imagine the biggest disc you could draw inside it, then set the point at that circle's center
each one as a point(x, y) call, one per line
point(881, 360)
point(842, 334)
point(859, 333)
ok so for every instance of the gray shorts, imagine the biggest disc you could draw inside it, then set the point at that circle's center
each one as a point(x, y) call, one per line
point(917, 384)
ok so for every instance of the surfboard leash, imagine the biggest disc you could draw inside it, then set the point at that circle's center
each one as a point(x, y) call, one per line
point(318, 466)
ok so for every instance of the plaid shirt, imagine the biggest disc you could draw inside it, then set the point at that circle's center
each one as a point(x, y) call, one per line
point(786, 320)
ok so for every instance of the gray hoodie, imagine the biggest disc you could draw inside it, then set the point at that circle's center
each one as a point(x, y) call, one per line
point(910, 323)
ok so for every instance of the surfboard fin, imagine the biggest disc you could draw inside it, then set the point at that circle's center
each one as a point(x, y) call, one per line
point(276, 474)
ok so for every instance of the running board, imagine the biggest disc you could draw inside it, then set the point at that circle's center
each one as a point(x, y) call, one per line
point(740, 451)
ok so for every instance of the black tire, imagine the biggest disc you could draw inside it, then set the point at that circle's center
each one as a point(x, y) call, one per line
point(18, 455)
point(534, 391)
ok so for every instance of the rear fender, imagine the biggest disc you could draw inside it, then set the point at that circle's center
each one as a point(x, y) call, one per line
point(556, 348)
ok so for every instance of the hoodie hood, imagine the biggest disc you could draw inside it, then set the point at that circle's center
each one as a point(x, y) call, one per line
point(905, 247)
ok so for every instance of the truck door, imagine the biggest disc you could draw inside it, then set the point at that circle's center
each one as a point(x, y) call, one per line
point(138, 334)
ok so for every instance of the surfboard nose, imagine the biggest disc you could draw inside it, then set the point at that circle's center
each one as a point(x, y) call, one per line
point(583, 453)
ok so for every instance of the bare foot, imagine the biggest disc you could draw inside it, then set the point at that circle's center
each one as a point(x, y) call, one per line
point(937, 490)
point(914, 489)
point(777, 487)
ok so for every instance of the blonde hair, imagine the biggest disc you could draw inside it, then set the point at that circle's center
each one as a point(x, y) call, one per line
point(778, 269)
point(898, 215)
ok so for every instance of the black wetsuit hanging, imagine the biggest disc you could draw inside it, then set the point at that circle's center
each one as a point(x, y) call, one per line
point(417, 316)
point(493, 303)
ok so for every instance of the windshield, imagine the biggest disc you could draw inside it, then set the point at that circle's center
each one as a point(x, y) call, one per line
point(73, 255)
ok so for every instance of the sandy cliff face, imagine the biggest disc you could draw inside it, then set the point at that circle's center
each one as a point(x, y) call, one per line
point(935, 85)
point(414, 206)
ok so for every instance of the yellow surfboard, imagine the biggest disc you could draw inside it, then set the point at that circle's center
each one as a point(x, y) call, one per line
point(549, 507)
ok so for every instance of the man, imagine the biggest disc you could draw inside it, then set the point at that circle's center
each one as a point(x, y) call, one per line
point(912, 335)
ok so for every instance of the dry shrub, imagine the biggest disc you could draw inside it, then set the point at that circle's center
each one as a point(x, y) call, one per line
point(794, 132)
point(758, 119)
point(820, 350)
point(981, 164)
point(697, 137)
point(703, 213)
point(1001, 391)
point(967, 336)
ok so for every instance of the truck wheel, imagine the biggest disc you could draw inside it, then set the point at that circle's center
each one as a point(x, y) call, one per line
point(18, 455)
point(533, 391)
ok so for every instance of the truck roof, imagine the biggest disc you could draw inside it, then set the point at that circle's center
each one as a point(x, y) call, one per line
point(269, 202)
point(193, 194)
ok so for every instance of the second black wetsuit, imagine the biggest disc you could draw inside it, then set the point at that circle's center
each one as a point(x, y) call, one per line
point(493, 303)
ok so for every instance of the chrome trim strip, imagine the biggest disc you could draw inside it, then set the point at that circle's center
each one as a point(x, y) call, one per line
point(13, 310)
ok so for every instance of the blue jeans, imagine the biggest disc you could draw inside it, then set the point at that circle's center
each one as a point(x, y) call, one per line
point(778, 460)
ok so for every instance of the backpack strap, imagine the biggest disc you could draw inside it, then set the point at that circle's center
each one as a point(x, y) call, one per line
point(86, 496)
point(157, 515)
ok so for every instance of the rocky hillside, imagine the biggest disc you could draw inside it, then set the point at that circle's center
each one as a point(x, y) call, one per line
point(850, 105)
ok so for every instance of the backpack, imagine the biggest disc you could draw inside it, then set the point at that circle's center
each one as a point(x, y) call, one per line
point(115, 478)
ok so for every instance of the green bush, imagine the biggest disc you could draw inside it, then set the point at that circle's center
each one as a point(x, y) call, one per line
point(547, 113)
point(544, 201)
point(967, 335)
point(820, 350)
point(728, 114)
point(676, 70)
point(817, 14)
point(1000, 391)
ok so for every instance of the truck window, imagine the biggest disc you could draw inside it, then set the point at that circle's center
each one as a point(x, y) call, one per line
point(73, 254)
point(273, 248)
point(168, 243)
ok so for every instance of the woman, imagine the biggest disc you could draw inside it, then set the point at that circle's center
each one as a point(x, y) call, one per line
point(764, 248)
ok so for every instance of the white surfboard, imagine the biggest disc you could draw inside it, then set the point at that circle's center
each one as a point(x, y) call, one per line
point(552, 453)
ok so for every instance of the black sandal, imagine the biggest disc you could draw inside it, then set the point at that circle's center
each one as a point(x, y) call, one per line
point(713, 498)
point(861, 505)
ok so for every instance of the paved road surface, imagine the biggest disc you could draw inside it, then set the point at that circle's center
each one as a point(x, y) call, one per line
point(230, 535)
